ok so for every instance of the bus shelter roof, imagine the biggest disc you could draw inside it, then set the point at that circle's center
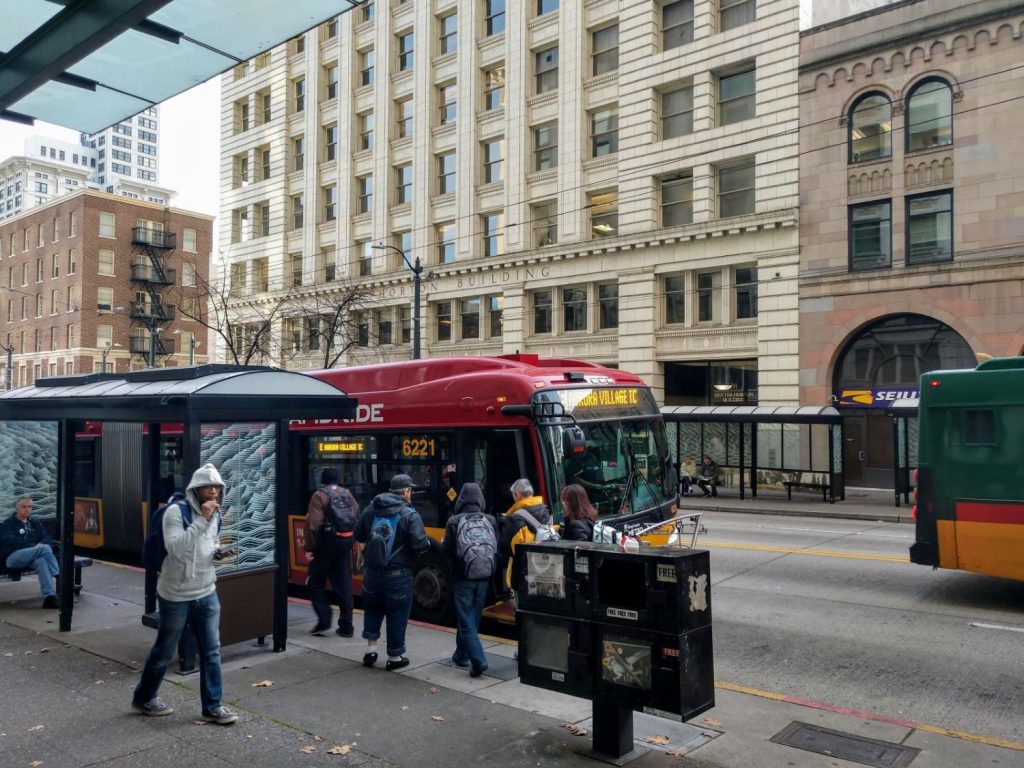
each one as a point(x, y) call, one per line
point(189, 393)
point(753, 414)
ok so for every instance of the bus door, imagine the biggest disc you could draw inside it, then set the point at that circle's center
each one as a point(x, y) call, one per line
point(495, 459)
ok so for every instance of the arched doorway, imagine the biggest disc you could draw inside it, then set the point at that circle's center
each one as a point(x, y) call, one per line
point(880, 363)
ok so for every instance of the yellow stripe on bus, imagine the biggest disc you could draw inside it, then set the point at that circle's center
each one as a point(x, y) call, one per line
point(902, 559)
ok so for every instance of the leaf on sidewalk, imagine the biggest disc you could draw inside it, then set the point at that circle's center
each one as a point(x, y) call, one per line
point(342, 749)
point(437, 717)
point(431, 690)
point(712, 722)
point(8, 654)
point(317, 738)
point(311, 749)
point(199, 722)
point(657, 739)
point(34, 763)
point(404, 707)
point(100, 682)
point(28, 653)
point(676, 753)
point(574, 729)
point(263, 684)
point(44, 650)
point(36, 728)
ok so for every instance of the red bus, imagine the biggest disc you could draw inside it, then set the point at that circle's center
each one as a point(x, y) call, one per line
point(491, 420)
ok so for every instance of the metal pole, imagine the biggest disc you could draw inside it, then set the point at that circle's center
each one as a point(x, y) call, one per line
point(416, 270)
point(10, 364)
point(192, 349)
point(151, 357)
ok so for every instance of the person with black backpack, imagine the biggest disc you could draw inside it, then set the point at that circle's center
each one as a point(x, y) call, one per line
point(471, 546)
point(330, 525)
point(392, 535)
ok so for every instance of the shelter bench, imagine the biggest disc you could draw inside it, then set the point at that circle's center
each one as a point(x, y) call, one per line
point(805, 483)
point(15, 574)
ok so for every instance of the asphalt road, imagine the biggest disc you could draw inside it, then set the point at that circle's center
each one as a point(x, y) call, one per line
point(833, 611)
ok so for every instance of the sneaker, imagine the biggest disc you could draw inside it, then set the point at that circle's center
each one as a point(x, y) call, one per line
point(155, 707)
point(477, 671)
point(220, 715)
point(398, 663)
point(343, 632)
point(319, 629)
point(369, 659)
point(460, 664)
point(50, 601)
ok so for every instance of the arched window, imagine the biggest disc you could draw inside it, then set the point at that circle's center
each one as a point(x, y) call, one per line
point(870, 128)
point(929, 115)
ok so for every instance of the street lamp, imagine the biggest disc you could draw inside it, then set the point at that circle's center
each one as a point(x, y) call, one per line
point(151, 357)
point(103, 357)
point(192, 344)
point(9, 349)
point(416, 270)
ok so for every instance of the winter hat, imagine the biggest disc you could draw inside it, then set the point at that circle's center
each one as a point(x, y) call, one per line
point(204, 476)
point(330, 476)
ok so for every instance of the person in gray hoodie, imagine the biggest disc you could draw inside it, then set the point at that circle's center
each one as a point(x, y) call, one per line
point(187, 594)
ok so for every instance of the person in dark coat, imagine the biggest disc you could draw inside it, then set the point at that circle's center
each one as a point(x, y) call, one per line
point(580, 514)
point(331, 556)
point(470, 592)
point(25, 543)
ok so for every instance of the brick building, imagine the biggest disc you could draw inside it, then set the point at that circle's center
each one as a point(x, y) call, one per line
point(911, 207)
point(93, 277)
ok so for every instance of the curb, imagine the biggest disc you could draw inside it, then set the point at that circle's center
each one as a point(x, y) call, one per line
point(882, 517)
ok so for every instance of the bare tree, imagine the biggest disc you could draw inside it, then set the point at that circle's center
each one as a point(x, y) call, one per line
point(335, 316)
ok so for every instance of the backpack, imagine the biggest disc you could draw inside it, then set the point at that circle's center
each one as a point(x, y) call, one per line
point(476, 546)
point(379, 548)
point(153, 548)
point(342, 517)
point(541, 531)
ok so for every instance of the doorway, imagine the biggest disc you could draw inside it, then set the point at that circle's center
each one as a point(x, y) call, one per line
point(868, 458)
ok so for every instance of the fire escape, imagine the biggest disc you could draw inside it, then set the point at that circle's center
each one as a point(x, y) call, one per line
point(150, 310)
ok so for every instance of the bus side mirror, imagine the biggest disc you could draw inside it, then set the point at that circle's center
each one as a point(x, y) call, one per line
point(573, 442)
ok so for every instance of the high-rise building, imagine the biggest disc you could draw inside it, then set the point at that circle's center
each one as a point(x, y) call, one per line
point(128, 154)
point(611, 180)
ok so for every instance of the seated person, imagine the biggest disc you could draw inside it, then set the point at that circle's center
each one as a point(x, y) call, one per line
point(708, 478)
point(25, 543)
point(688, 474)
point(585, 470)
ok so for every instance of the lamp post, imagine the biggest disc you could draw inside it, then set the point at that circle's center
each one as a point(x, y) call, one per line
point(192, 344)
point(9, 349)
point(417, 269)
point(153, 335)
point(103, 357)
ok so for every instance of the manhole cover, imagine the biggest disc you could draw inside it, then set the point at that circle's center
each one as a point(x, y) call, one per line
point(845, 746)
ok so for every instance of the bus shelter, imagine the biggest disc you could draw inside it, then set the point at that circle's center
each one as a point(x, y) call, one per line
point(236, 417)
point(762, 445)
point(904, 444)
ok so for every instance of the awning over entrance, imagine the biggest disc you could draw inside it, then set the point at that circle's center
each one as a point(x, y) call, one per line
point(87, 64)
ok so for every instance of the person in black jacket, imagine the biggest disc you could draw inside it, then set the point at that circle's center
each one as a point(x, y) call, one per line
point(393, 536)
point(331, 555)
point(579, 513)
point(470, 574)
point(25, 543)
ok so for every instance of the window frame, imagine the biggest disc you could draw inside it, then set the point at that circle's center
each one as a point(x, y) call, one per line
point(493, 167)
point(544, 75)
point(494, 95)
point(852, 265)
point(731, 75)
point(447, 178)
point(675, 36)
point(908, 116)
point(852, 126)
point(750, 162)
point(727, 7)
point(545, 157)
point(448, 102)
point(599, 55)
point(406, 55)
point(675, 299)
point(494, 18)
point(749, 289)
point(494, 237)
point(404, 180)
point(575, 309)
point(448, 40)
point(542, 311)
point(604, 142)
point(909, 200)
point(544, 217)
point(668, 183)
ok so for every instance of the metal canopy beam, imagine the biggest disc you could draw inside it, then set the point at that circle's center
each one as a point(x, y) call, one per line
point(79, 29)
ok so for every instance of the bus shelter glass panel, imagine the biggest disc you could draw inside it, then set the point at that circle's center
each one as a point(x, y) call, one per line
point(819, 447)
point(28, 467)
point(245, 454)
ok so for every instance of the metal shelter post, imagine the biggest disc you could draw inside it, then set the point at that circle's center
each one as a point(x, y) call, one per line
point(66, 429)
point(286, 470)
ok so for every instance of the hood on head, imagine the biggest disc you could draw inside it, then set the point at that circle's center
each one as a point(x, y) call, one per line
point(469, 496)
point(205, 475)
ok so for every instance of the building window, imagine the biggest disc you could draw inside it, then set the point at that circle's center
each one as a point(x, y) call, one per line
point(56, 230)
point(242, 121)
point(494, 235)
point(574, 309)
point(677, 200)
point(494, 17)
point(443, 314)
point(709, 297)
point(608, 306)
point(676, 24)
point(331, 28)
point(546, 69)
point(366, 260)
point(930, 228)
point(494, 88)
point(449, 33)
point(446, 173)
point(72, 262)
point(405, 321)
point(405, 118)
point(604, 131)
point(605, 45)
point(545, 224)
point(445, 234)
point(492, 152)
point(331, 76)
point(188, 277)
point(735, 13)
point(188, 239)
point(104, 299)
point(405, 51)
point(870, 236)
point(105, 263)
point(369, 10)
point(870, 128)
point(107, 225)
point(469, 311)
point(366, 67)
point(542, 312)
point(330, 142)
point(677, 112)
point(384, 330)
point(737, 96)
point(363, 331)
point(297, 211)
point(675, 300)
point(299, 94)
point(72, 226)
point(403, 184)
point(266, 109)
point(746, 293)
point(366, 122)
point(545, 146)
point(404, 242)
point(736, 189)
point(330, 197)
point(298, 153)
point(365, 186)
point(54, 266)
point(929, 115)
point(448, 106)
point(604, 213)
point(546, 6)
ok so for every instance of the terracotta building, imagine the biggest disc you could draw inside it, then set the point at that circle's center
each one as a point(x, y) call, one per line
point(911, 208)
point(92, 281)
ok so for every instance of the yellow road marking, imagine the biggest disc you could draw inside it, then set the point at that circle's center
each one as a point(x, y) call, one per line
point(905, 560)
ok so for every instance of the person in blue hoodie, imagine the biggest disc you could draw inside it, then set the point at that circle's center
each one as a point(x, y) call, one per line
point(392, 535)
point(187, 593)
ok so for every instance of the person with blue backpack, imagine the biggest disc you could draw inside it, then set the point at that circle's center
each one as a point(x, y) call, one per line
point(330, 524)
point(471, 546)
point(187, 594)
point(392, 535)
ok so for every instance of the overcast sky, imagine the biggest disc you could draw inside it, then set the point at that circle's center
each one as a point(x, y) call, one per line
point(189, 145)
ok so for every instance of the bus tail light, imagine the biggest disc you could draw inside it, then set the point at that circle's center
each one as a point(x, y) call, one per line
point(913, 512)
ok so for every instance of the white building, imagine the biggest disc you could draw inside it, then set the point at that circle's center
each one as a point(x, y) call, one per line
point(128, 153)
point(613, 180)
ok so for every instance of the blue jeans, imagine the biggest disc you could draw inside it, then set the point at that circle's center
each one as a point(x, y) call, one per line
point(387, 595)
point(470, 597)
point(204, 616)
point(40, 558)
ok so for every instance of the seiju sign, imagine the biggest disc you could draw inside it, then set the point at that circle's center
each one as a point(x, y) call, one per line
point(874, 397)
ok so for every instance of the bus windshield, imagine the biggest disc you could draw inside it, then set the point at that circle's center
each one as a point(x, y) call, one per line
point(625, 468)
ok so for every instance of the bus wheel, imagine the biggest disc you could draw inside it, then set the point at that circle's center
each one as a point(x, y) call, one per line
point(432, 594)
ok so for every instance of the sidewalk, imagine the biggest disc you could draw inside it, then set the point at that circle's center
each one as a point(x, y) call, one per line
point(860, 504)
point(66, 704)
